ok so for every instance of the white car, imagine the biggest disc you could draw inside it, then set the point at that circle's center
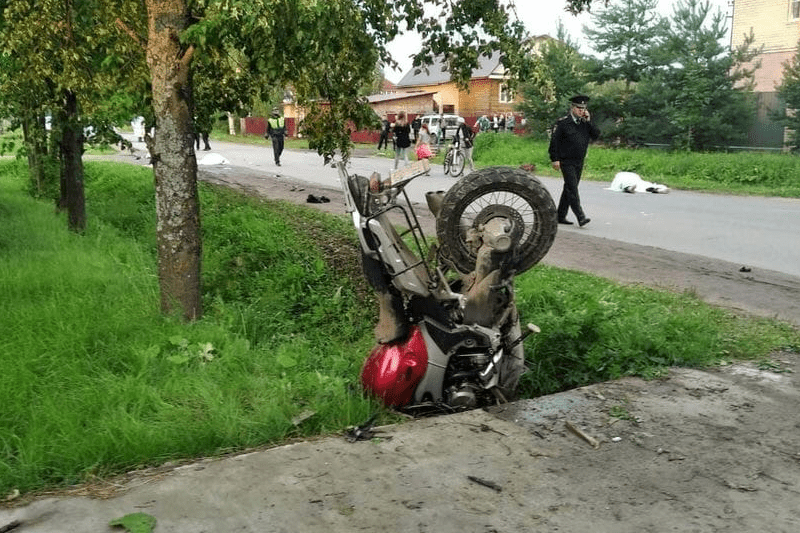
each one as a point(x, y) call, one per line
point(433, 121)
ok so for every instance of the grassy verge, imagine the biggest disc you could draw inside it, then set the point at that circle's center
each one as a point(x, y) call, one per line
point(95, 381)
point(765, 174)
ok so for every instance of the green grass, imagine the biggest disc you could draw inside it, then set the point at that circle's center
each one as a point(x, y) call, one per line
point(765, 174)
point(96, 381)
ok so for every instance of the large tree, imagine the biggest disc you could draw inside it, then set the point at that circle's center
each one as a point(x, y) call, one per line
point(56, 54)
point(692, 93)
point(561, 73)
point(623, 34)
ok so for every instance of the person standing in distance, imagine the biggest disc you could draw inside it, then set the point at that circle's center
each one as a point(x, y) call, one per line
point(464, 137)
point(402, 137)
point(568, 145)
point(276, 130)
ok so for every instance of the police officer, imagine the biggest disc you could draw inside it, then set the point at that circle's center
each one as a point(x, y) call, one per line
point(276, 129)
point(568, 145)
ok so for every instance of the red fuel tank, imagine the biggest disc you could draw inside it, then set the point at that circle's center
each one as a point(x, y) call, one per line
point(393, 371)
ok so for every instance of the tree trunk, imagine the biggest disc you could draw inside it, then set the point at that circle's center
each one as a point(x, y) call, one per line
point(72, 191)
point(32, 134)
point(174, 162)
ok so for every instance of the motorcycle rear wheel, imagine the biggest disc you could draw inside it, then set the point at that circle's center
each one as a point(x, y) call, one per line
point(491, 192)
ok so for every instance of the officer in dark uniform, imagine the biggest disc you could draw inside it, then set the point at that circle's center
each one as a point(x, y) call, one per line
point(568, 145)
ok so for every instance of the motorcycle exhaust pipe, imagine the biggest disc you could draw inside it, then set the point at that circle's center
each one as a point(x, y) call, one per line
point(434, 199)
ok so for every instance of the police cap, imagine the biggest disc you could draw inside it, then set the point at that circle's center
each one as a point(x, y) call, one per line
point(579, 100)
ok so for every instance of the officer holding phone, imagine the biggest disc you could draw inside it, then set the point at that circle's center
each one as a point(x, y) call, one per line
point(568, 144)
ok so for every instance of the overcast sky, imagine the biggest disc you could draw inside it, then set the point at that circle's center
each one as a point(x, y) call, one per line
point(540, 18)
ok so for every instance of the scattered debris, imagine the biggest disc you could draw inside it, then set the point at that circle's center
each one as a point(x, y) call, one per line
point(362, 432)
point(10, 526)
point(313, 199)
point(492, 485)
point(576, 430)
point(135, 522)
point(302, 417)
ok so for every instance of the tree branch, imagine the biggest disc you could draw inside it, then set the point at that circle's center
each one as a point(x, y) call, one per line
point(124, 27)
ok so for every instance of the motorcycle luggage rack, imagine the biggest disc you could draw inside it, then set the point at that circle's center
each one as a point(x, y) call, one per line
point(408, 264)
point(374, 207)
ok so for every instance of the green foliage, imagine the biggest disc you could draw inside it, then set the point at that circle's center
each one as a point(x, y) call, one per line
point(95, 381)
point(624, 33)
point(789, 90)
point(682, 87)
point(593, 330)
point(135, 523)
point(561, 75)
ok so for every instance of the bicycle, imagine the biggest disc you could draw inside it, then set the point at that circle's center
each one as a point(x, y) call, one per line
point(454, 160)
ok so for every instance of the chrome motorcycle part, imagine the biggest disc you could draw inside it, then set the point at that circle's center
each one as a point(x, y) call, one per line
point(489, 193)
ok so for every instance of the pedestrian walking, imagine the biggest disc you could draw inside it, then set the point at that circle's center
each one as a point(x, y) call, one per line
point(568, 145)
point(416, 124)
point(402, 137)
point(276, 130)
point(423, 144)
point(386, 126)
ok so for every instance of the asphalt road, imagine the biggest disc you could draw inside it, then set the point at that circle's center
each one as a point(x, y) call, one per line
point(750, 231)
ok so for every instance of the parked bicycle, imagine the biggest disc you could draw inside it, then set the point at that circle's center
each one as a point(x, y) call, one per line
point(454, 160)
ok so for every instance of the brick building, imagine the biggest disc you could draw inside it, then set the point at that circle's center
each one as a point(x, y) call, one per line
point(487, 93)
point(776, 26)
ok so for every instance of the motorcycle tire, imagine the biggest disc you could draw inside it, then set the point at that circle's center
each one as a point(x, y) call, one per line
point(497, 191)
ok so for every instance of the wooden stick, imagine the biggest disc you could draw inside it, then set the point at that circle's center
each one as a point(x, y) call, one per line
point(588, 438)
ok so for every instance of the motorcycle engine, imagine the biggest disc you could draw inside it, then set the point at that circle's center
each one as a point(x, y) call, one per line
point(462, 390)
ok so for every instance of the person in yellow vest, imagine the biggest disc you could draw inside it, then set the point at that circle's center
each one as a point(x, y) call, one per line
point(276, 130)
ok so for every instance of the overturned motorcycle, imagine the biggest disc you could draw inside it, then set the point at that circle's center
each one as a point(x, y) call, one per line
point(449, 335)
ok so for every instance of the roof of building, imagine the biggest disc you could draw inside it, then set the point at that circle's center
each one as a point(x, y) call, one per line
point(437, 73)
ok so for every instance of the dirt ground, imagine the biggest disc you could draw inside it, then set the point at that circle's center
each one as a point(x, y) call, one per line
point(714, 450)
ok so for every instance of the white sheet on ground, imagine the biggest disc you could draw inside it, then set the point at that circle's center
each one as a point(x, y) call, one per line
point(213, 159)
point(632, 182)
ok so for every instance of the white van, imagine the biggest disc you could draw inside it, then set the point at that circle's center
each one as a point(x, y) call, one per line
point(450, 125)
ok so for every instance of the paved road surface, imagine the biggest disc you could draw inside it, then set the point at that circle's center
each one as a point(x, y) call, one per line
point(750, 231)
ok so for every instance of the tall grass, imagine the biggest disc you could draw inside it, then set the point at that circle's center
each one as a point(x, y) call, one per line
point(96, 381)
point(595, 330)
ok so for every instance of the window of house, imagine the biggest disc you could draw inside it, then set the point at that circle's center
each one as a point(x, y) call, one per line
point(507, 95)
point(794, 9)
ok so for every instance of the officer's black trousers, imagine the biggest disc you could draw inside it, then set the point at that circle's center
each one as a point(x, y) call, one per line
point(571, 171)
point(277, 147)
